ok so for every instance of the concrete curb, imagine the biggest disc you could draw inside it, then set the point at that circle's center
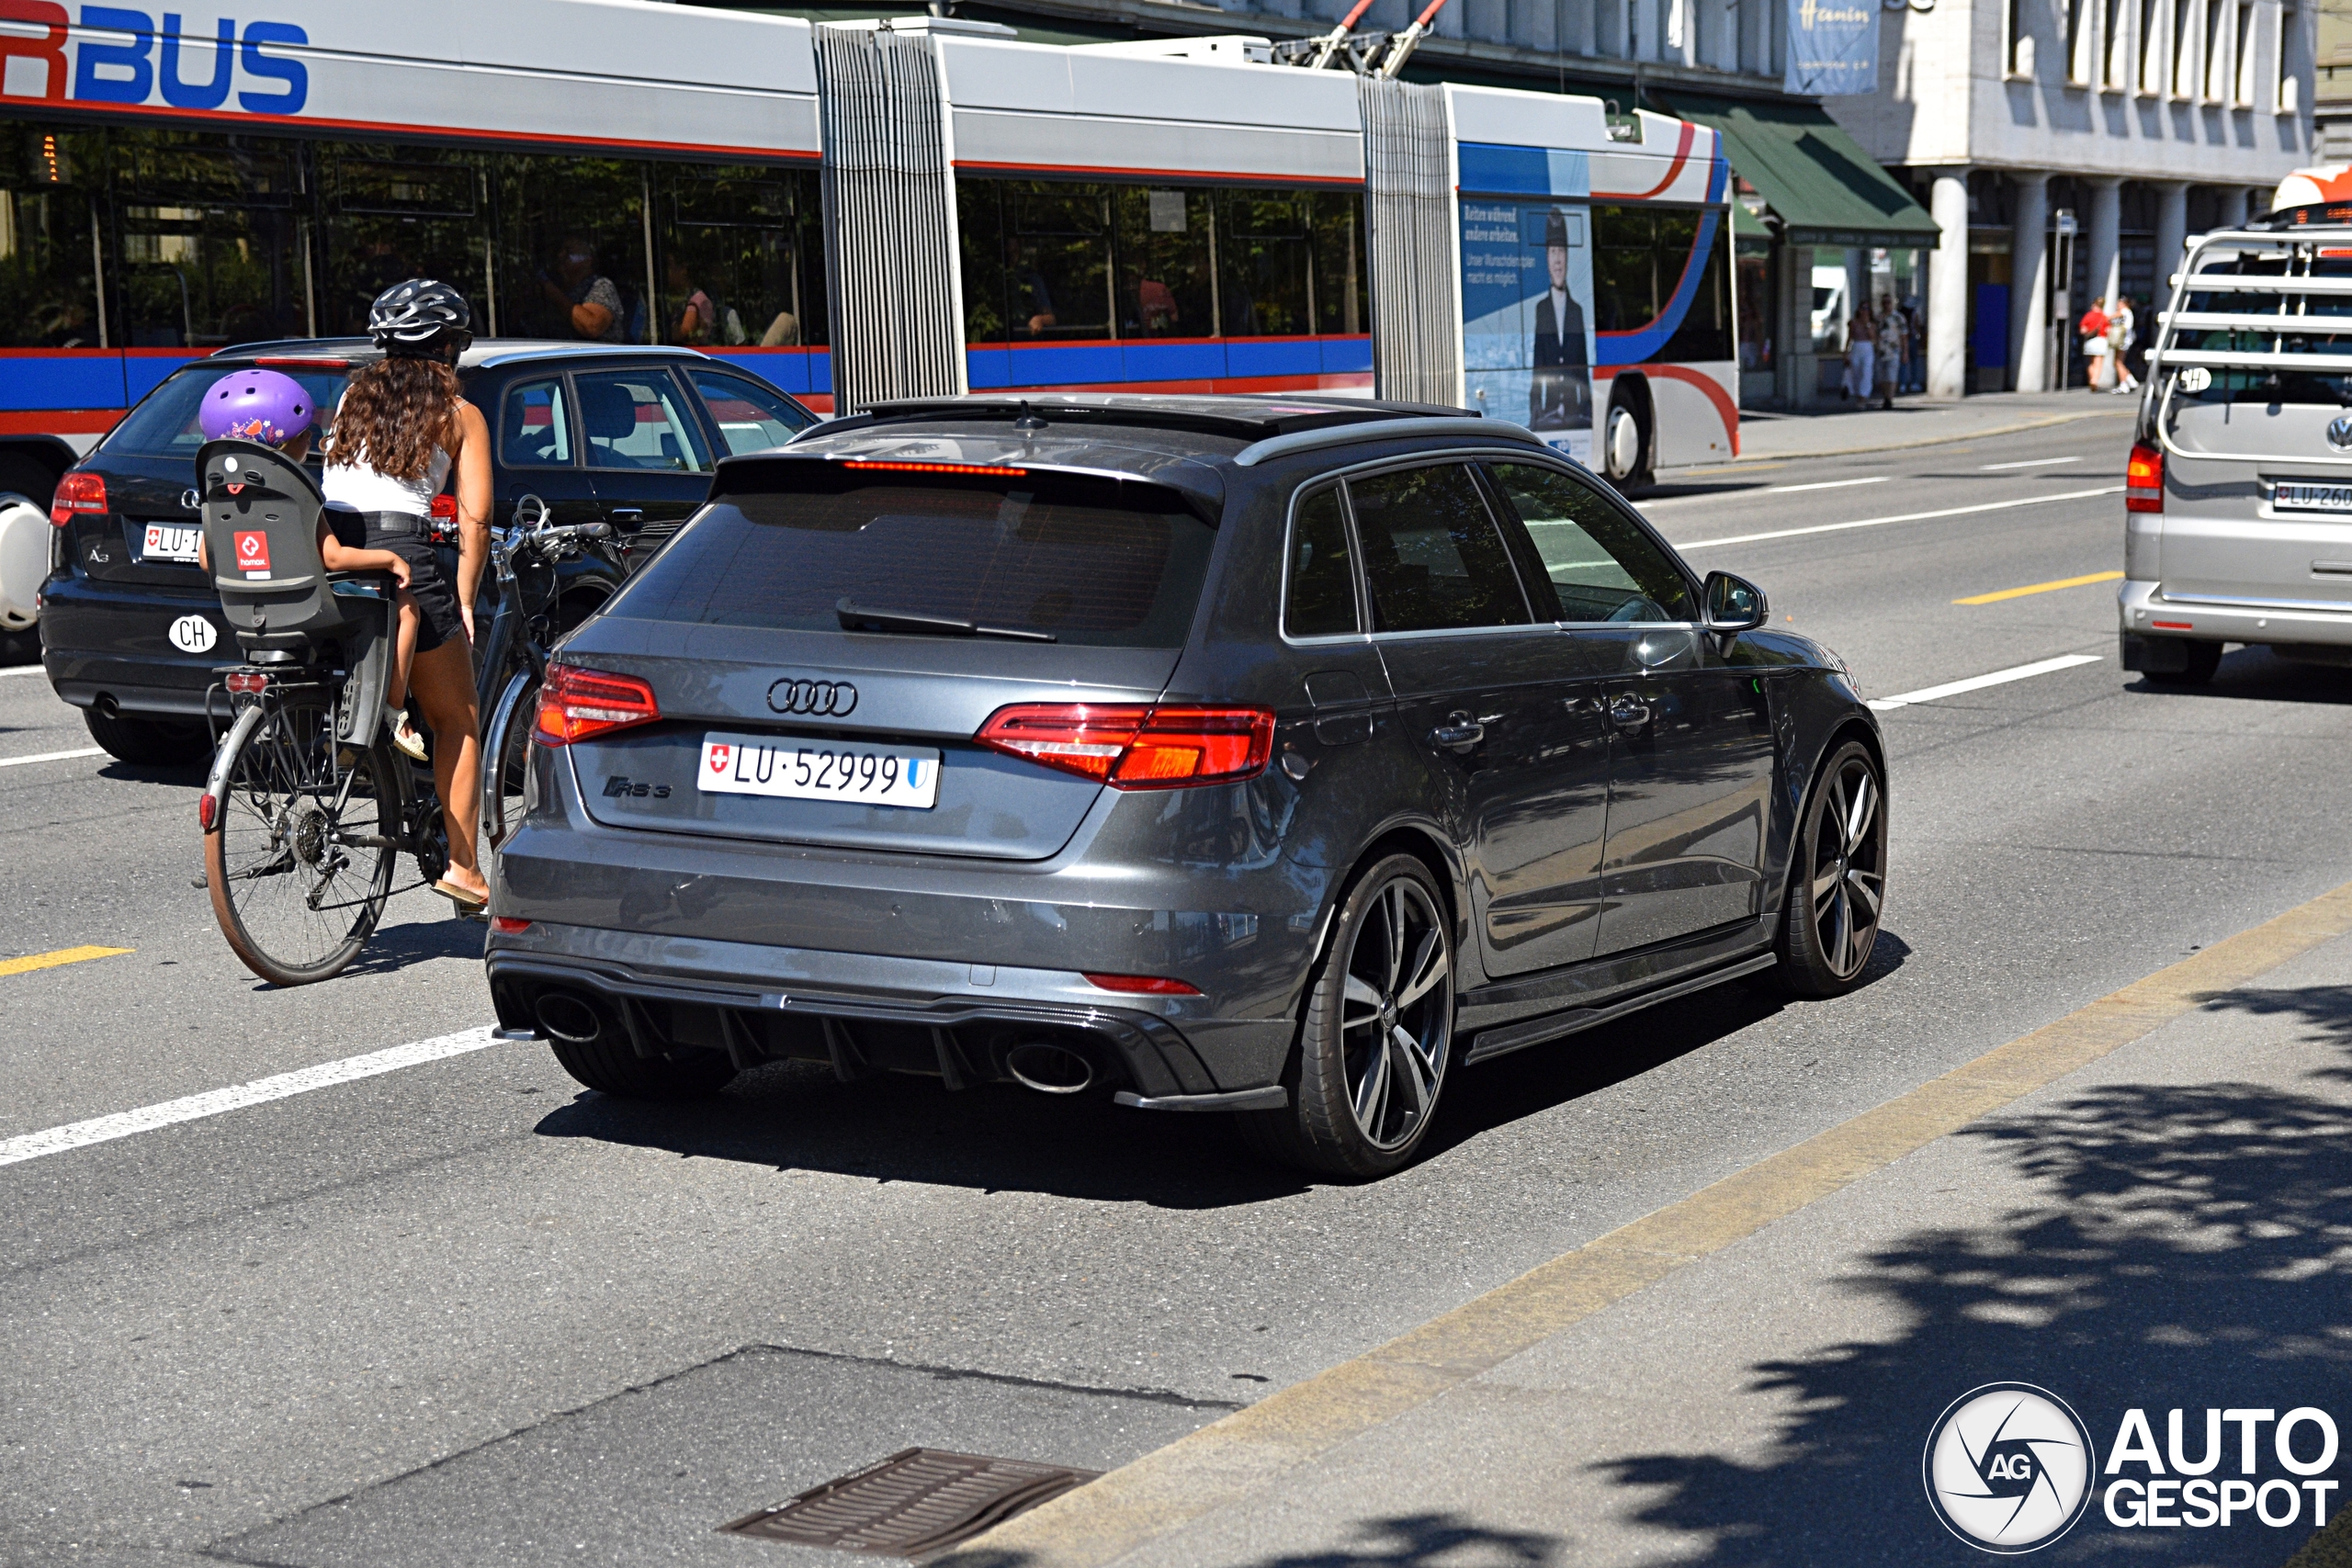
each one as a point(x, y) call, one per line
point(1228, 1462)
point(1986, 433)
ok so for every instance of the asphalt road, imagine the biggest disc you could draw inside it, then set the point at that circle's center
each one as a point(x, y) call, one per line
point(464, 1312)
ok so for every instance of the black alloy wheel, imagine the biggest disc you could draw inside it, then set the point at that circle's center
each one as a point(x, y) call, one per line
point(1837, 878)
point(1374, 1043)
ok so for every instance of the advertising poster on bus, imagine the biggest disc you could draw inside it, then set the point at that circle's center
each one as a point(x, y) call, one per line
point(1527, 343)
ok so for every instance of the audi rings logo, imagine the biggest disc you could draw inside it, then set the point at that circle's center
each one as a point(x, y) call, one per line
point(2339, 433)
point(2009, 1468)
point(825, 699)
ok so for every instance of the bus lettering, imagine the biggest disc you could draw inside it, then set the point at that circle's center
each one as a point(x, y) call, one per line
point(117, 60)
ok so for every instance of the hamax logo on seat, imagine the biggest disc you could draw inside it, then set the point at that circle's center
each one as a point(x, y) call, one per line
point(824, 699)
point(119, 57)
point(2009, 1468)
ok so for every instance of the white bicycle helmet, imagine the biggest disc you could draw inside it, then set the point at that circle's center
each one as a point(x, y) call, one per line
point(418, 315)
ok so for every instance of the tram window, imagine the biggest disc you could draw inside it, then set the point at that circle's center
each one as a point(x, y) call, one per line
point(634, 418)
point(416, 212)
point(1058, 262)
point(1342, 301)
point(979, 223)
point(48, 295)
point(1265, 276)
point(741, 257)
point(1166, 256)
point(572, 226)
point(1624, 268)
point(1705, 331)
point(533, 431)
point(210, 244)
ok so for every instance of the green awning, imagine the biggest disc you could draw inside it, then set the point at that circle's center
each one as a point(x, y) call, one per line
point(1814, 178)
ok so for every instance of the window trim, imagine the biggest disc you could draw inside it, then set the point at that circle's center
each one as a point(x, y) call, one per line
point(514, 384)
point(1641, 524)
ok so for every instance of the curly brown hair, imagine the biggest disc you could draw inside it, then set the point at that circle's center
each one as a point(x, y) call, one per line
point(394, 415)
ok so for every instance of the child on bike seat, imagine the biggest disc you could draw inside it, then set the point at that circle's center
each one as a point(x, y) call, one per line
point(276, 409)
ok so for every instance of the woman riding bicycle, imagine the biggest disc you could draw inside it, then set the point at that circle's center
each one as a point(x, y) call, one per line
point(402, 426)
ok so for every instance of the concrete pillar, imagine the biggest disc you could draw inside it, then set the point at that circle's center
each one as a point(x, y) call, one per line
point(2104, 276)
point(2232, 206)
point(2172, 242)
point(2029, 284)
point(1948, 287)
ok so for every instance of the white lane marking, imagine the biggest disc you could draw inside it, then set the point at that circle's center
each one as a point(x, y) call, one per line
point(195, 1107)
point(52, 757)
point(2027, 463)
point(36, 668)
point(1826, 484)
point(1904, 517)
point(1978, 683)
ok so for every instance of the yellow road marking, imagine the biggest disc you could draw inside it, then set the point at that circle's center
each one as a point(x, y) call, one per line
point(52, 960)
point(1229, 1461)
point(2041, 588)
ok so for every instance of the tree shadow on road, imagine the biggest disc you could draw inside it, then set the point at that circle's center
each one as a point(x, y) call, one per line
point(2191, 1246)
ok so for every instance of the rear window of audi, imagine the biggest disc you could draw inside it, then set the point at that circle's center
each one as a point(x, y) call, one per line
point(164, 424)
point(1093, 562)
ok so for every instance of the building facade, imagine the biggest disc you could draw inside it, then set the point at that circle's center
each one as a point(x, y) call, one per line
point(2067, 148)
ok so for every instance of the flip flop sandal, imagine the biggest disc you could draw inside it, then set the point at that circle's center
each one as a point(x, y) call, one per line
point(468, 903)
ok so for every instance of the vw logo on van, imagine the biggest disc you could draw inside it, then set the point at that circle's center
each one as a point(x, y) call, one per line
point(2339, 433)
point(824, 699)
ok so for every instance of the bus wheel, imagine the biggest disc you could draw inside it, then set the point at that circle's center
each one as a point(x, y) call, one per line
point(1621, 450)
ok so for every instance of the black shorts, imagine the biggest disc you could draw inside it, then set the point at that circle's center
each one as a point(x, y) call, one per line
point(436, 601)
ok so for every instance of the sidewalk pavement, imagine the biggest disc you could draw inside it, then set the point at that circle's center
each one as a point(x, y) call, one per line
point(1765, 436)
point(2162, 1223)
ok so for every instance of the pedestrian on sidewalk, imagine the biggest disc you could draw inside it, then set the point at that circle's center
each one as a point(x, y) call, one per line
point(2095, 365)
point(2122, 331)
point(1893, 350)
point(1862, 358)
point(1915, 347)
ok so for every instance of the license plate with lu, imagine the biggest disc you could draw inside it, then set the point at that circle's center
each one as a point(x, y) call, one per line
point(164, 542)
point(819, 770)
point(2311, 498)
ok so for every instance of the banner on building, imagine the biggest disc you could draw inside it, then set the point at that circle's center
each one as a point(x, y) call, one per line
point(1833, 47)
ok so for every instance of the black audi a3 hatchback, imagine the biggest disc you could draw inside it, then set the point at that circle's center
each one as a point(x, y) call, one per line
point(132, 630)
point(1275, 757)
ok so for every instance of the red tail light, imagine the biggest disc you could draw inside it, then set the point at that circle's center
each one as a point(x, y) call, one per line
point(576, 703)
point(507, 925)
point(1130, 746)
point(1143, 984)
point(77, 492)
point(445, 509)
point(2144, 479)
point(247, 682)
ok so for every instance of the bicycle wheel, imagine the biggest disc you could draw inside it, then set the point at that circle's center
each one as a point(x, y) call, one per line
point(506, 756)
point(300, 856)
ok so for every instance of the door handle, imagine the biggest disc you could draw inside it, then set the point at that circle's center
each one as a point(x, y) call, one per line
point(1629, 712)
point(1460, 732)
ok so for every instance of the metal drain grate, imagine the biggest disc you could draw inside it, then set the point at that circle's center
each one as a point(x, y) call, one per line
point(916, 1503)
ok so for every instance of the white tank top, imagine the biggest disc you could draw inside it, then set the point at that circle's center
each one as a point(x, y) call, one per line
point(365, 490)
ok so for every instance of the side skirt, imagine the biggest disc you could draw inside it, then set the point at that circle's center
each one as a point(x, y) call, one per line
point(1492, 1043)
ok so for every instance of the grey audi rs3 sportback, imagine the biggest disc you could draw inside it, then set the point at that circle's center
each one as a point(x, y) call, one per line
point(1280, 756)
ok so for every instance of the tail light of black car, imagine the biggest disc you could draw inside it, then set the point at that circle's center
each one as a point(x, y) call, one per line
point(79, 493)
point(1137, 747)
point(576, 703)
point(2144, 479)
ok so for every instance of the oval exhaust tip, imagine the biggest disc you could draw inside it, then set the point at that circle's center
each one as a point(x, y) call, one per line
point(567, 1017)
point(1049, 1068)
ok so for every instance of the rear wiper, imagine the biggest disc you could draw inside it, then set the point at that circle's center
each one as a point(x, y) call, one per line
point(855, 619)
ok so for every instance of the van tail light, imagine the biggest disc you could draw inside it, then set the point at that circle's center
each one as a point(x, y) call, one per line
point(1130, 746)
point(577, 704)
point(2144, 479)
point(77, 492)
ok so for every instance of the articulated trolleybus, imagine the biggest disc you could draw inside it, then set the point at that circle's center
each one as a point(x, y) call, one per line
point(855, 212)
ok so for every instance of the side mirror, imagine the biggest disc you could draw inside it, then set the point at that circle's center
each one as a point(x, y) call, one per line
point(1734, 604)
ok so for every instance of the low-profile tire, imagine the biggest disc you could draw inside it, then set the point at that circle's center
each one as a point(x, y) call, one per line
point(2204, 658)
point(613, 1067)
point(1371, 1064)
point(1836, 894)
point(149, 742)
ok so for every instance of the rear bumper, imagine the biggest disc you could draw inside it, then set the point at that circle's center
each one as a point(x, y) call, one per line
point(100, 641)
point(864, 1013)
point(2146, 614)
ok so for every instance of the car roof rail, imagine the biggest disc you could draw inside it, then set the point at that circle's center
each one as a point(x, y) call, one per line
point(1243, 416)
point(1384, 430)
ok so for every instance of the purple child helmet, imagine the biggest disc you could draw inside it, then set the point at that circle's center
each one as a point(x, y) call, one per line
point(256, 405)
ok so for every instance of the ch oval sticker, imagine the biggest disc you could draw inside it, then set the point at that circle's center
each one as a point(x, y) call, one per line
point(194, 634)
